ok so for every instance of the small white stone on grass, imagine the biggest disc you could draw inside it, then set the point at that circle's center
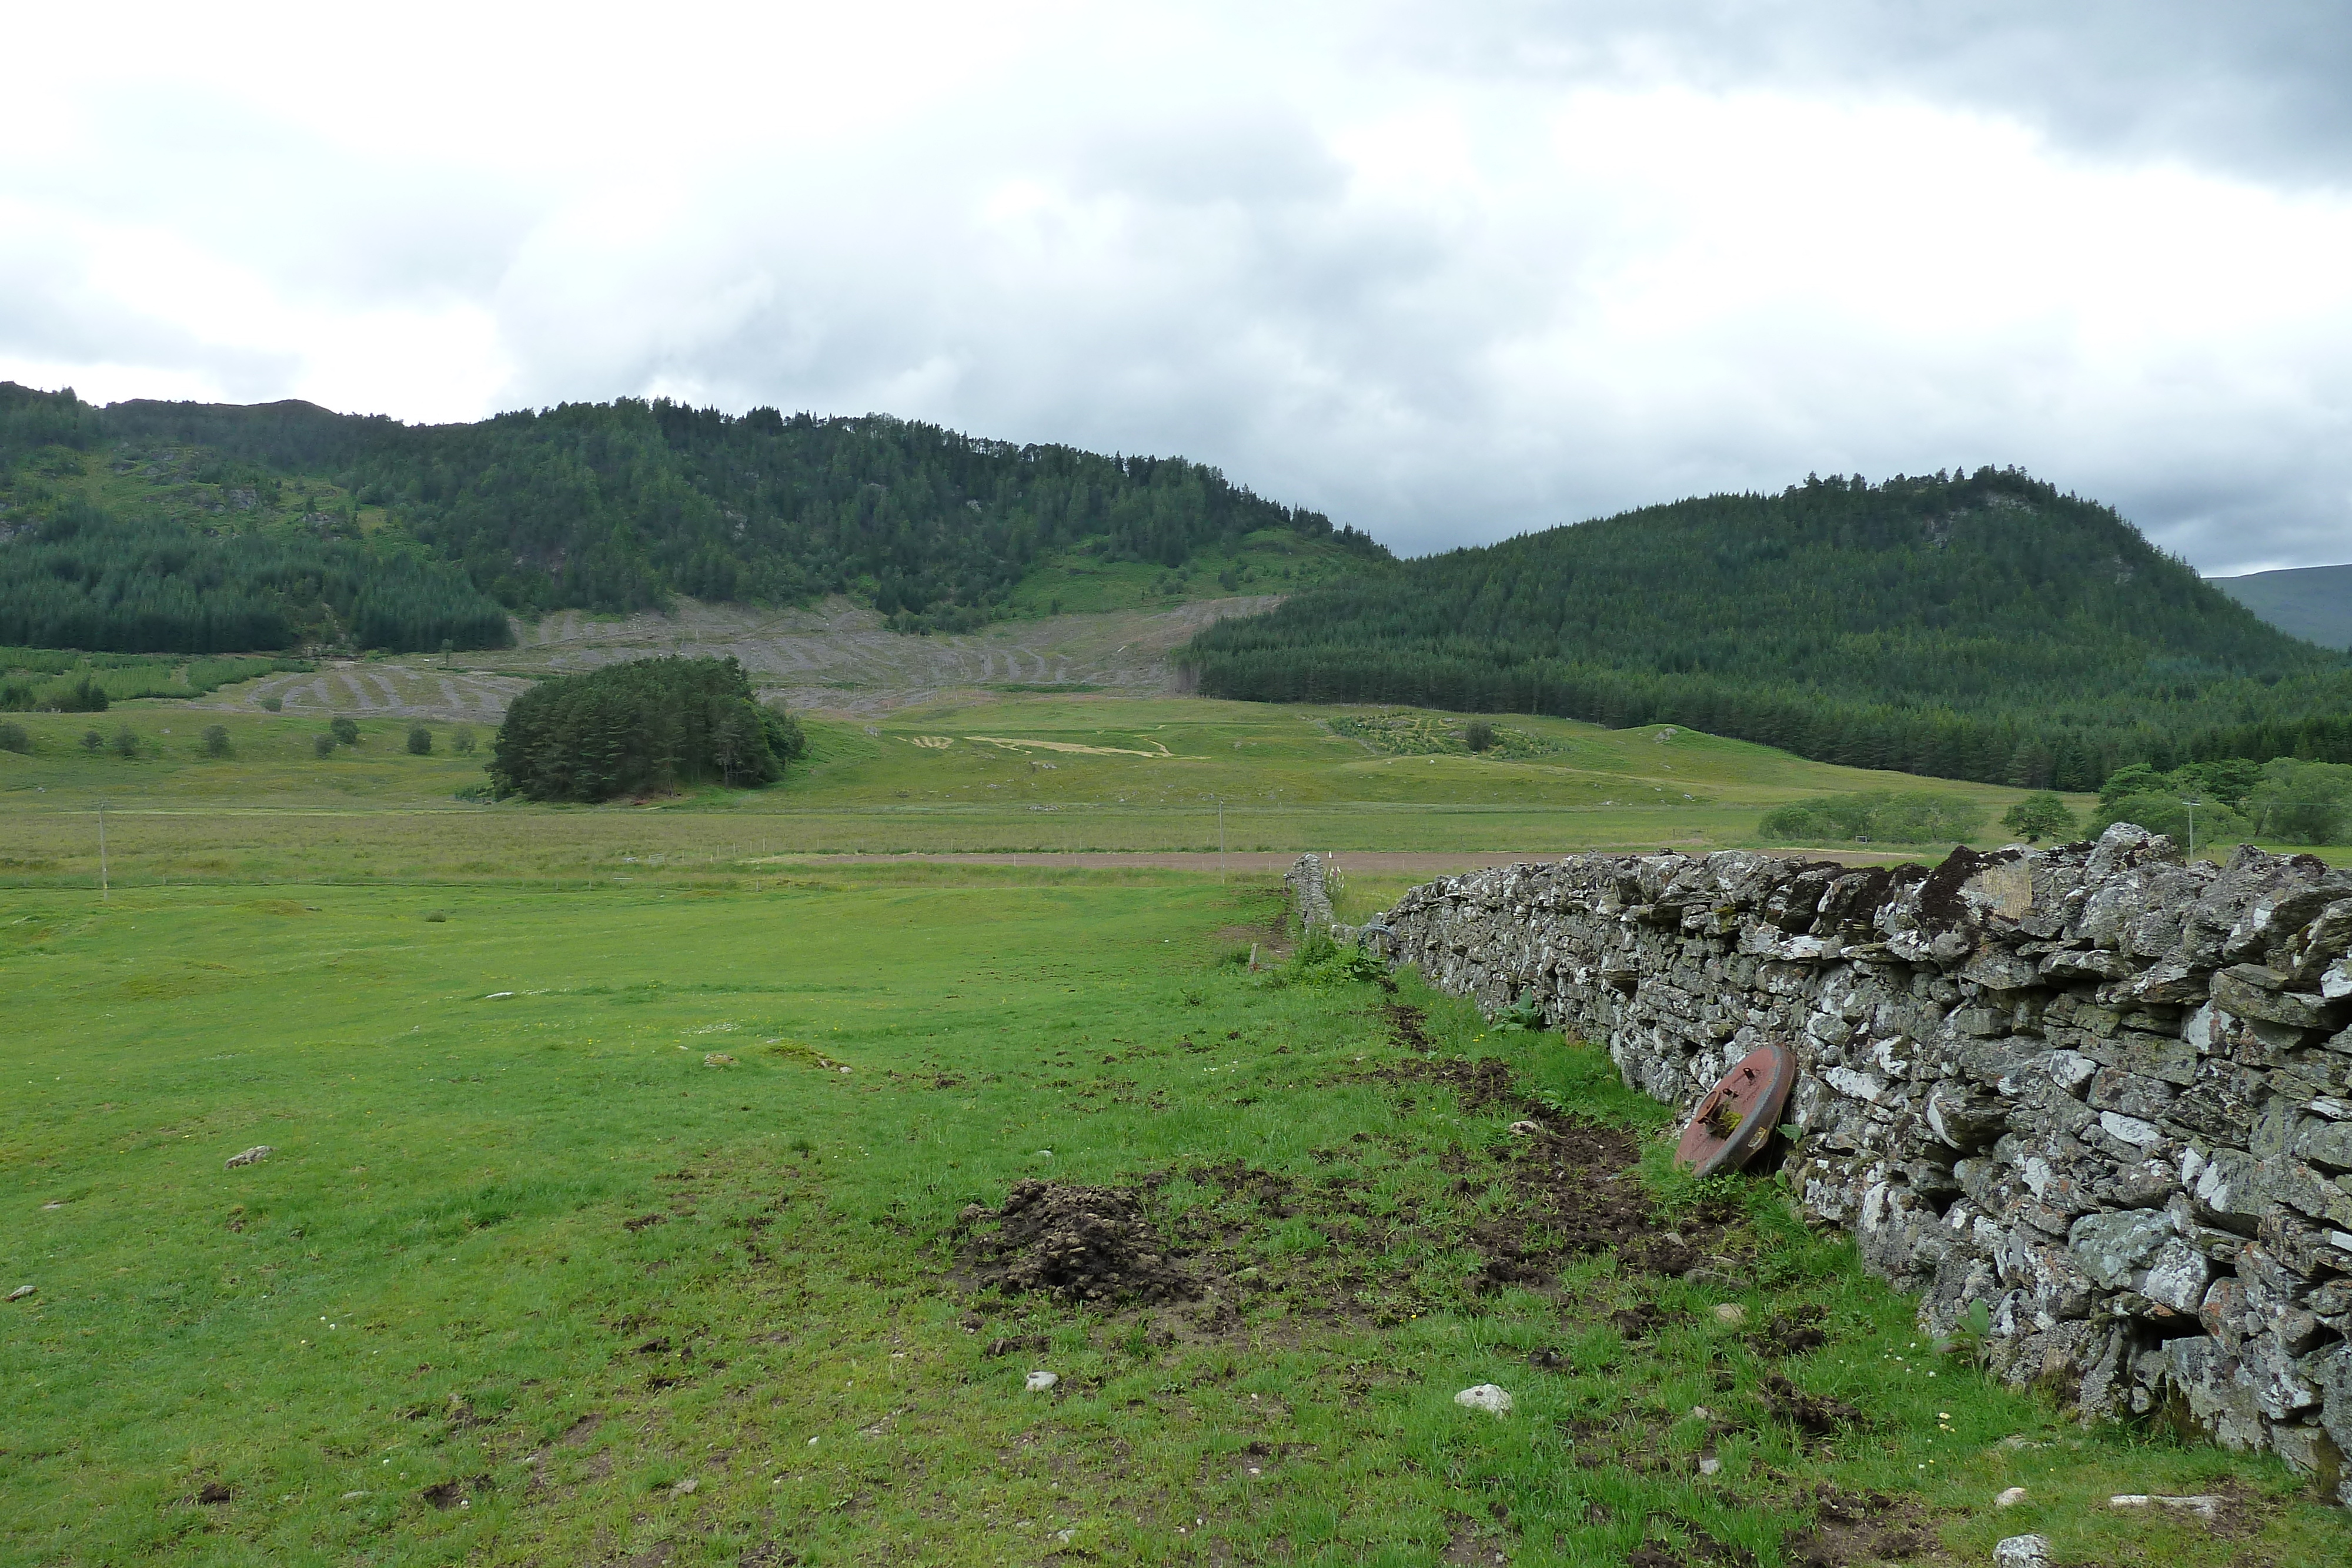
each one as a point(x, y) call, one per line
point(1731, 1314)
point(685, 1486)
point(2203, 1505)
point(1526, 1129)
point(2011, 1498)
point(1485, 1396)
point(253, 1156)
point(2021, 1552)
point(354, 1496)
point(1708, 1465)
point(1039, 1382)
point(21, 1292)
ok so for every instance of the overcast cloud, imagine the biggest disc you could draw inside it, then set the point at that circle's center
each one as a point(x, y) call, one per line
point(1447, 276)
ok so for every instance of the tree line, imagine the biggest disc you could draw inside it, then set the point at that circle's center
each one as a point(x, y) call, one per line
point(86, 578)
point(1979, 626)
point(618, 506)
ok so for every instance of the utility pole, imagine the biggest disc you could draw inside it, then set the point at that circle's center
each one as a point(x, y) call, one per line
point(1221, 839)
point(105, 890)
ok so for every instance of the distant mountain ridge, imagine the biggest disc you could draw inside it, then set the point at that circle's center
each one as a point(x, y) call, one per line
point(2313, 603)
point(192, 527)
point(1978, 626)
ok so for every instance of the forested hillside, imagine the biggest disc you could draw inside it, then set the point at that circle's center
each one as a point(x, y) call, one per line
point(151, 525)
point(1982, 627)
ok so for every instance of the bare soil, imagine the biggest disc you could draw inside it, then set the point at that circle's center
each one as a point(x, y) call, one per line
point(1852, 1528)
point(1074, 1243)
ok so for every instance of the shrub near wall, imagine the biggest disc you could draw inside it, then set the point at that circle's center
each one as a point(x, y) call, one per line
point(2095, 1098)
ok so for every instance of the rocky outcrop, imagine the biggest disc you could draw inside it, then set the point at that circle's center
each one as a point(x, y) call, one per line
point(2096, 1090)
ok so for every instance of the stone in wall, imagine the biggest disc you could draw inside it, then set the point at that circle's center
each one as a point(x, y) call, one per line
point(2104, 1093)
point(1309, 893)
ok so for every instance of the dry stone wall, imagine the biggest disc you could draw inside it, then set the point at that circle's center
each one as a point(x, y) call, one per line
point(2099, 1090)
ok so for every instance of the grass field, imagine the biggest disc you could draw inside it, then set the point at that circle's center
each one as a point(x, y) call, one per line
point(524, 1265)
point(578, 1245)
point(1271, 561)
point(1018, 773)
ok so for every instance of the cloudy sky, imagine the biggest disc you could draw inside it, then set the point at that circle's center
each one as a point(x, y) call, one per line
point(1448, 272)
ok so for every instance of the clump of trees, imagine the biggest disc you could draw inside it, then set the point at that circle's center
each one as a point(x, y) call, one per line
point(2040, 816)
point(84, 696)
point(14, 738)
point(215, 740)
point(2285, 801)
point(1876, 817)
point(420, 741)
point(639, 728)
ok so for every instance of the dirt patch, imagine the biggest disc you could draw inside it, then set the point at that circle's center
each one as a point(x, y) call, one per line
point(1637, 1322)
point(1792, 1333)
point(1467, 1543)
point(1572, 1195)
point(1814, 1415)
point(1407, 1026)
point(2243, 1511)
point(1569, 1184)
point(1276, 1196)
point(1695, 1250)
point(1074, 1243)
point(1480, 1085)
point(1012, 1344)
point(1699, 1550)
point(1851, 1528)
point(451, 1493)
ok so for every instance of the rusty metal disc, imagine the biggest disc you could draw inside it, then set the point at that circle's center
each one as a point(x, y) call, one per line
point(1738, 1115)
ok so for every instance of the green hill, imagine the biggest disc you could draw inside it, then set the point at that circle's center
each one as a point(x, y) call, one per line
point(1983, 627)
point(196, 527)
point(2314, 603)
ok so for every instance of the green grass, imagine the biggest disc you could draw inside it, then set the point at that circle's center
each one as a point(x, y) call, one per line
point(49, 677)
point(1022, 773)
point(1079, 580)
point(185, 484)
point(432, 1282)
